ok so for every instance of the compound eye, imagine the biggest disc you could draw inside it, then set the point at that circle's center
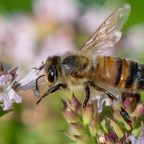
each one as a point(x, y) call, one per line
point(51, 76)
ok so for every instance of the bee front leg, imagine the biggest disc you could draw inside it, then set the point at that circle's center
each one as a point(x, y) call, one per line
point(87, 96)
point(51, 90)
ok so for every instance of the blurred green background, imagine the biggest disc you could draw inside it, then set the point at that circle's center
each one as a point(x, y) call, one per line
point(31, 124)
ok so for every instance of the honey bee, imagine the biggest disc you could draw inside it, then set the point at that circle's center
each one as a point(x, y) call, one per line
point(87, 67)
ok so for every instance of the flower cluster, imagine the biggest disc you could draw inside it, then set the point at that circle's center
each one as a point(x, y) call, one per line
point(87, 126)
point(9, 87)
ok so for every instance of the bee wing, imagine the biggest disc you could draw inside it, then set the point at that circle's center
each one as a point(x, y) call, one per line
point(108, 33)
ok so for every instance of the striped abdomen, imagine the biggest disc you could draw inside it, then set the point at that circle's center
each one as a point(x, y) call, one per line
point(121, 73)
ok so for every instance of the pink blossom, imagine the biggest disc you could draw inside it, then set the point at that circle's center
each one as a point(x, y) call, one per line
point(9, 87)
point(7, 93)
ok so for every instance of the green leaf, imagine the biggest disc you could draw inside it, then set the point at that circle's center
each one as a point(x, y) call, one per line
point(116, 127)
point(2, 112)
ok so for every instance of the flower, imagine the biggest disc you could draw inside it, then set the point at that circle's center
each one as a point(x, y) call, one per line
point(29, 82)
point(9, 87)
point(101, 99)
point(139, 140)
point(87, 126)
point(7, 93)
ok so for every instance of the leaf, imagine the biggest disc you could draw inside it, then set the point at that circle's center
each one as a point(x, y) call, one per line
point(2, 112)
point(116, 127)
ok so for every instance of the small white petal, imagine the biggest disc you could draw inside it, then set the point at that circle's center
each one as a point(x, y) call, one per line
point(133, 140)
point(2, 96)
point(5, 78)
point(101, 99)
point(29, 82)
point(36, 92)
point(14, 96)
point(8, 96)
point(7, 105)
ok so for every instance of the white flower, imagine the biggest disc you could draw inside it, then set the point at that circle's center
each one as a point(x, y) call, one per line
point(29, 82)
point(9, 87)
point(7, 93)
point(9, 97)
point(139, 140)
point(5, 77)
point(101, 99)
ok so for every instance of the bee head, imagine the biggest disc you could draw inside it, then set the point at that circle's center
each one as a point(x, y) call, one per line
point(52, 70)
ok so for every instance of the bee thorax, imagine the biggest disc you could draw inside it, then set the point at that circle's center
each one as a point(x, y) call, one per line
point(74, 64)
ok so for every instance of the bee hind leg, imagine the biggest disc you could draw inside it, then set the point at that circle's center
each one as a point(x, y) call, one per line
point(116, 104)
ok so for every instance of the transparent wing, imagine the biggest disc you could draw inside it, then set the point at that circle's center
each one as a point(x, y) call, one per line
point(108, 33)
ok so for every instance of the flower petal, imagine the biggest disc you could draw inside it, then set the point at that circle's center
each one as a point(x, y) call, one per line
point(7, 105)
point(12, 95)
point(101, 99)
point(29, 82)
point(133, 140)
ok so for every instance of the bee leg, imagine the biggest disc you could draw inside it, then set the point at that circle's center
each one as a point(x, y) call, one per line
point(126, 117)
point(86, 97)
point(116, 104)
point(51, 90)
point(110, 95)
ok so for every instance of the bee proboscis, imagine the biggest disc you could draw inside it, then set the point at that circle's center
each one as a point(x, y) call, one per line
point(87, 68)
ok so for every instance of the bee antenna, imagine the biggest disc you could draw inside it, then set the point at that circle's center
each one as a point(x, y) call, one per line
point(42, 66)
point(44, 95)
point(37, 81)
